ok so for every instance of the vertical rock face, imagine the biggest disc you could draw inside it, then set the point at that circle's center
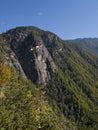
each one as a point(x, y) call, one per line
point(42, 57)
point(10, 58)
point(32, 54)
point(13, 60)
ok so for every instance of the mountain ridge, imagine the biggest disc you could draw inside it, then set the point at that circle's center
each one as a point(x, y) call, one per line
point(91, 44)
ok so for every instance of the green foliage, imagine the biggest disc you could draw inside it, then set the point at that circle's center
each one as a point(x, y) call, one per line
point(24, 107)
point(75, 84)
point(4, 73)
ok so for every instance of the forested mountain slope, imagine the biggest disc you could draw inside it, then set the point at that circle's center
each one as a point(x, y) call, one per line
point(66, 73)
point(90, 44)
point(23, 105)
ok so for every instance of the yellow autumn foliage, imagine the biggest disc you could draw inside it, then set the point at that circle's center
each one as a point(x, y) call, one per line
point(4, 73)
point(29, 94)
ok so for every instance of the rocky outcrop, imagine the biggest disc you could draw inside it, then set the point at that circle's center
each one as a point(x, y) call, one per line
point(13, 60)
point(10, 58)
point(29, 49)
point(43, 61)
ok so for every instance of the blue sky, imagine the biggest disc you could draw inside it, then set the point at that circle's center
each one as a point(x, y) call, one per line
point(69, 19)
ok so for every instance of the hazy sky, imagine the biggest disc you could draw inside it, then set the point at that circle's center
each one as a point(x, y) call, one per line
point(67, 18)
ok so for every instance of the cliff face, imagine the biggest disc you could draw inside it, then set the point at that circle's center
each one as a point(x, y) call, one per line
point(9, 57)
point(33, 56)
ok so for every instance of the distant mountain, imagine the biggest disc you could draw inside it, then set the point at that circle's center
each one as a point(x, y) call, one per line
point(89, 43)
point(63, 92)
